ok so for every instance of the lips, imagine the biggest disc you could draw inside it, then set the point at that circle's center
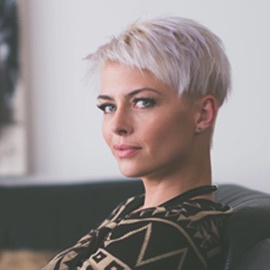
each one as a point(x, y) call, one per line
point(125, 150)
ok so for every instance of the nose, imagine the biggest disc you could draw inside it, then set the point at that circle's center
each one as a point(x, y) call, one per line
point(121, 122)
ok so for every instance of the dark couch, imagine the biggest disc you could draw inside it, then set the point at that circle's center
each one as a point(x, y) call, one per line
point(53, 217)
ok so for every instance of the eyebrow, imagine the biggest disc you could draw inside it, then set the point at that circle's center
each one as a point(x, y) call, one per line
point(132, 93)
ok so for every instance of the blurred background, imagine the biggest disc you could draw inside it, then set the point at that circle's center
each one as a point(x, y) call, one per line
point(57, 133)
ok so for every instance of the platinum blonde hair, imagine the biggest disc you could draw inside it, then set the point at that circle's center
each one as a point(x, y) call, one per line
point(180, 52)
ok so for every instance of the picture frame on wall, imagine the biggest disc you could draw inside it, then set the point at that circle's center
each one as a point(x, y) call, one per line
point(12, 117)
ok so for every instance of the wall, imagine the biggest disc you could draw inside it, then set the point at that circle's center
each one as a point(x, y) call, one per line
point(64, 124)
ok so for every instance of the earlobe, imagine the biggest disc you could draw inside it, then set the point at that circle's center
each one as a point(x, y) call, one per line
point(208, 107)
point(198, 130)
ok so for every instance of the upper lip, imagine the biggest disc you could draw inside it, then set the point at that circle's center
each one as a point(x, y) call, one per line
point(125, 146)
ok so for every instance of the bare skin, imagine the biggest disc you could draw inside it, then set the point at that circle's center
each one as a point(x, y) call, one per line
point(153, 133)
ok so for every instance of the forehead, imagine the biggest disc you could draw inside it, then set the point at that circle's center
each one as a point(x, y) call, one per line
point(116, 78)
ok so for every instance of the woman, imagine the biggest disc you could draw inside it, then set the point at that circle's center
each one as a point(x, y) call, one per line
point(162, 82)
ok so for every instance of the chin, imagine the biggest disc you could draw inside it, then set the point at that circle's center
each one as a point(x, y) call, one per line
point(130, 172)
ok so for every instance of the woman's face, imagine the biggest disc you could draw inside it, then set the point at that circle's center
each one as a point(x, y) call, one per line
point(148, 127)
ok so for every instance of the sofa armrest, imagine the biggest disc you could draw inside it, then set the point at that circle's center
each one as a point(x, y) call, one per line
point(248, 227)
point(257, 257)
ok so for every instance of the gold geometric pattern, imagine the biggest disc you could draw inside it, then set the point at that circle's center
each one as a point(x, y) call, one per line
point(183, 236)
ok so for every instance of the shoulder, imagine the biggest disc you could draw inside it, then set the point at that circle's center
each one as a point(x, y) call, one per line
point(192, 210)
point(199, 222)
point(189, 231)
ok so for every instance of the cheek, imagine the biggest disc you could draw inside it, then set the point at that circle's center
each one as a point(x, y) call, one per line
point(172, 130)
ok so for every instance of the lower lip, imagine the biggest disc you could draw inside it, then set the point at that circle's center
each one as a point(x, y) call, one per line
point(126, 153)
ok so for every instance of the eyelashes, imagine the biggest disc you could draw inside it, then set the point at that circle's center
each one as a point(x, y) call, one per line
point(140, 103)
point(144, 103)
point(107, 107)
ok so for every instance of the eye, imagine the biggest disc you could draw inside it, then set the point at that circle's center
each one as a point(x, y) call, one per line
point(107, 108)
point(144, 103)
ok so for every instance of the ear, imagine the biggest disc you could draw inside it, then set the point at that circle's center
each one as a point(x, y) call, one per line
point(207, 112)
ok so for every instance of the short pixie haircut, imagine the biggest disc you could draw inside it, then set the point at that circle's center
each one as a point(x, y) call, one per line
point(180, 52)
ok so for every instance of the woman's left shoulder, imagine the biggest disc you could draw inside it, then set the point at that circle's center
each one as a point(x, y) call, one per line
point(186, 234)
point(195, 209)
point(202, 207)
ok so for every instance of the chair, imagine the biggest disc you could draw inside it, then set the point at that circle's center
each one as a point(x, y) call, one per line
point(246, 235)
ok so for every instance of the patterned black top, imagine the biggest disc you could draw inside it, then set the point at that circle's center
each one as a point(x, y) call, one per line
point(182, 236)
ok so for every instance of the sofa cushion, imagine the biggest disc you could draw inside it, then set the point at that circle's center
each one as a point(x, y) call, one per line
point(53, 217)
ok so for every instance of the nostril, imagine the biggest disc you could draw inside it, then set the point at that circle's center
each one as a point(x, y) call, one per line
point(122, 132)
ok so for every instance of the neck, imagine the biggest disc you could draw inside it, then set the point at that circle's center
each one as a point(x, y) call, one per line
point(163, 188)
